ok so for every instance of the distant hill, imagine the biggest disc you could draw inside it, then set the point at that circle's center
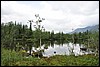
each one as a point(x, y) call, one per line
point(89, 28)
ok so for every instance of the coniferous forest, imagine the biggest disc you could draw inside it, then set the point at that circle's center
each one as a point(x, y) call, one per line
point(17, 39)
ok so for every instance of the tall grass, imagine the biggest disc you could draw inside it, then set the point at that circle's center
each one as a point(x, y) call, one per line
point(8, 58)
point(12, 58)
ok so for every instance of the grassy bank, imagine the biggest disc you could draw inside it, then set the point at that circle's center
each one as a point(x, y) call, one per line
point(13, 58)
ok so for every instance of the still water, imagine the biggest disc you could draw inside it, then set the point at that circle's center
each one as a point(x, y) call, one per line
point(62, 49)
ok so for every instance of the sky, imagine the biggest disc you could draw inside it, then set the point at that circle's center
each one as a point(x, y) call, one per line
point(60, 16)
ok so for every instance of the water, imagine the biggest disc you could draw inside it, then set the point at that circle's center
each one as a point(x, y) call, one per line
point(62, 49)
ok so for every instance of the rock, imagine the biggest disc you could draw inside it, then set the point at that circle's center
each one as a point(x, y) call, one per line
point(54, 51)
point(83, 49)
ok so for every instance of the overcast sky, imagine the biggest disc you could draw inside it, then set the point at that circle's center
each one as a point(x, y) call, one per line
point(59, 15)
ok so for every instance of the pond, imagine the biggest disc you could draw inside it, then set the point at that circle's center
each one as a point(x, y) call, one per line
point(62, 49)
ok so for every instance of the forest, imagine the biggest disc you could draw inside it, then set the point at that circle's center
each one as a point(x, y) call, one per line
point(49, 33)
point(14, 36)
point(18, 39)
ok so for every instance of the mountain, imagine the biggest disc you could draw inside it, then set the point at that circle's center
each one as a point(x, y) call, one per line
point(89, 28)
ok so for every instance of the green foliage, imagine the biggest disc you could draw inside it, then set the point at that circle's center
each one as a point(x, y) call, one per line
point(11, 58)
point(15, 36)
point(10, 32)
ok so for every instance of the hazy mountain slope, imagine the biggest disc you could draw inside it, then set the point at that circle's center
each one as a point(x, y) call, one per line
point(89, 28)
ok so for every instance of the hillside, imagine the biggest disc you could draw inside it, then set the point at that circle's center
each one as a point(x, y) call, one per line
point(89, 28)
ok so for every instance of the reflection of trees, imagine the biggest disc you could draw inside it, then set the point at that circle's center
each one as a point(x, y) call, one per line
point(58, 42)
point(52, 43)
point(75, 38)
point(46, 46)
point(71, 49)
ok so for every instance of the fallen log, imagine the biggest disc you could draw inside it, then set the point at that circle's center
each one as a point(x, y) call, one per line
point(83, 49)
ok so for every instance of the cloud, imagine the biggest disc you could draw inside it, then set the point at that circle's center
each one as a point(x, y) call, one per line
point(90, 20)
point(60, 15)
point(12, 11)
point(68, 15)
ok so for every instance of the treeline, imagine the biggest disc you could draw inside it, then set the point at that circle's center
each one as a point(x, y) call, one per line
point(12, 33)
point(15, 35)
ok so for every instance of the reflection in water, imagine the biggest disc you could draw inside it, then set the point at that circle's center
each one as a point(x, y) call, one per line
point(61, 49)
point(65, 49)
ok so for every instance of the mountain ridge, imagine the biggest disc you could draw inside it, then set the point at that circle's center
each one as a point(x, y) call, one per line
point(89, 28)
